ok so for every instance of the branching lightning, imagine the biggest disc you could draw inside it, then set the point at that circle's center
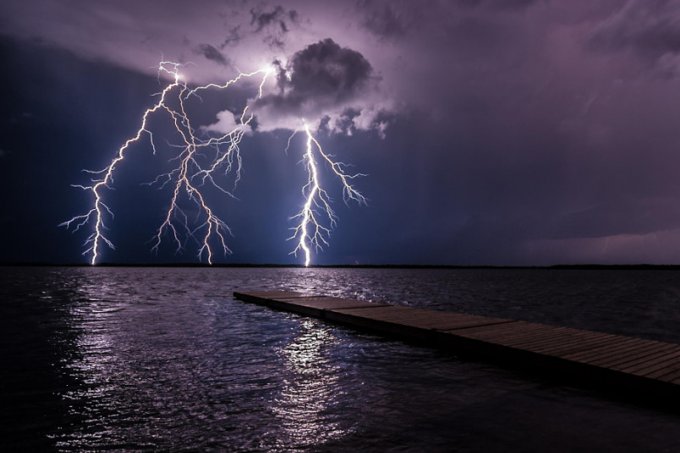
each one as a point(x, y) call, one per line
point(191, 175)
point(317, 218)
point(188, 177)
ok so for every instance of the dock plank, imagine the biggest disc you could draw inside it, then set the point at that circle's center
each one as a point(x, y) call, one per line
point(271, 294)
point(570, 344)
point(634, 357)
point(671, 376)
point(614, 345)
point(547, 337)
point(651, 362)
point(549, 340)
point(328, 303)
point(419, 318)
point(661, 371)
point(625, 358)
point(566, 336)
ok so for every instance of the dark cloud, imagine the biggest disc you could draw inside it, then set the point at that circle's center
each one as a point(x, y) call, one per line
point(233, 37)
point(651, 28)
point(503, 5)
point(519, 124)
point(212, 54)
point(510, 4)
point(322, 73)
point(261, 19)
point(274, 23)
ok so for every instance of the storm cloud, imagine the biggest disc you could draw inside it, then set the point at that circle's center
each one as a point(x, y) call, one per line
point(323, 73)
point(277, 16)
point(324, 84)
point(513, 132)
point(273, 23)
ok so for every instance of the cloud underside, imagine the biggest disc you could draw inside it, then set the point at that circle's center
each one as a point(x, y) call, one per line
point(325, 85)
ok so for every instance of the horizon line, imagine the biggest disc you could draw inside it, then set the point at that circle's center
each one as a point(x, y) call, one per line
point(357, 266)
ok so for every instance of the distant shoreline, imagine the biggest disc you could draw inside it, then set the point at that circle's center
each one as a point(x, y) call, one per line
point(361, 266)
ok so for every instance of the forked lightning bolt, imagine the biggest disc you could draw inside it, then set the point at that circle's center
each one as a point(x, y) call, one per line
point(317, 218)
point(188, 178)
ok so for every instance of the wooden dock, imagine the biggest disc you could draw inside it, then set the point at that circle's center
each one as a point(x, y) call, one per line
point(642, 369)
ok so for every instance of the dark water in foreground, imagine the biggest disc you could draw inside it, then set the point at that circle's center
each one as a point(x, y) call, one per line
point(165, 359)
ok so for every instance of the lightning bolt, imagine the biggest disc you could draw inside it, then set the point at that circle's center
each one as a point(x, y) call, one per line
point(188, 178)
point(316, 219)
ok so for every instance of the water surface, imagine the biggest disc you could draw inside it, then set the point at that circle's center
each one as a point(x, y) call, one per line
point(166, 359)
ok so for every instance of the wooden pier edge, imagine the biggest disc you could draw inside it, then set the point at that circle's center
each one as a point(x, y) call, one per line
point(508, 343)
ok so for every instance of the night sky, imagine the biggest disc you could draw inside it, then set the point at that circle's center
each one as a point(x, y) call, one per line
point(503, 132)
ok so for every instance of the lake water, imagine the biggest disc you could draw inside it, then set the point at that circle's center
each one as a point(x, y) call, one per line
point(166, 359)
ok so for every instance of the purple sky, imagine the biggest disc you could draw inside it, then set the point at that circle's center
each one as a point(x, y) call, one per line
point(494, 132)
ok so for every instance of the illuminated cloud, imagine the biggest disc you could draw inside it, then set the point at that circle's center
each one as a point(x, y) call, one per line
point(531, 120)
point(324, 84)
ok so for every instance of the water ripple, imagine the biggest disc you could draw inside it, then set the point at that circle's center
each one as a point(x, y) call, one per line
point(164, 359)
